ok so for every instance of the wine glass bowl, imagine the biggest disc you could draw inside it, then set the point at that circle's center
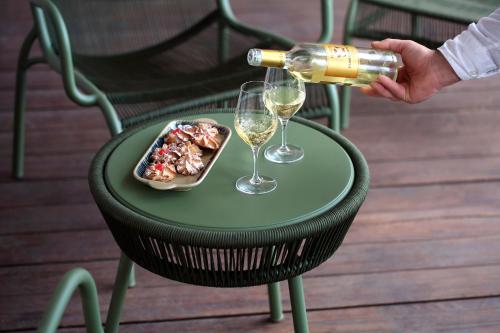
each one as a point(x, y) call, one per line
point(255, 124)
point(284, 95)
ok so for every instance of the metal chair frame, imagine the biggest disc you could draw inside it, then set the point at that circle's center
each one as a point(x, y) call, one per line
point(46, 13)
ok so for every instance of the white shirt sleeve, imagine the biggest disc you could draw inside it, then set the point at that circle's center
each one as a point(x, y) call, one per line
point(475, 53)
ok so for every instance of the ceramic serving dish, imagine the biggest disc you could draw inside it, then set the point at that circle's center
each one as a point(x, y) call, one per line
point(181, 182)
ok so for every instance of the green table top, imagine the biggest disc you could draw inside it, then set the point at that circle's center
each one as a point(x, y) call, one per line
point(305, 189)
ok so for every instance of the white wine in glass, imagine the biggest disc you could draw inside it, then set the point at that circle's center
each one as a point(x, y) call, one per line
point(255, 124)
point(284, 101)
point(284, 96)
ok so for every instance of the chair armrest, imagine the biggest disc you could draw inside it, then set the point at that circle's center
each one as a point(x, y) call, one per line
point(233, 22)
point(326, 24)
point(63, 61)
point(326, 21)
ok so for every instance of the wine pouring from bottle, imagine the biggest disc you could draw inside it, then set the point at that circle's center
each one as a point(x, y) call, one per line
point(330, 63)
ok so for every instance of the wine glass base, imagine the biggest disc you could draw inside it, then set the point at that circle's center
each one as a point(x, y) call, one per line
point(266, 185)
point(289, 154)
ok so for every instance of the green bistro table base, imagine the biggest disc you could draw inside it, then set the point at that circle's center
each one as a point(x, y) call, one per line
point(215, 236)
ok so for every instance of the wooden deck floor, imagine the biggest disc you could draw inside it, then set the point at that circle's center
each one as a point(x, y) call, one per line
point(422, 256)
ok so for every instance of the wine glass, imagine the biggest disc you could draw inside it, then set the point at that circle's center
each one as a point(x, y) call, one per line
point(255, 124)
point(285, 96)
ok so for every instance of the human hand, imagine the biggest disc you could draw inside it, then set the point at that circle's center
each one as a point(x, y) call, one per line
point(425, 71)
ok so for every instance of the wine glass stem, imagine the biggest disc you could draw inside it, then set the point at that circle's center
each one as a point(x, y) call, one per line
point(284, 123)
point(255, 177)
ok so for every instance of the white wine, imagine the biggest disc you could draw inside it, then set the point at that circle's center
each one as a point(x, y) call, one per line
point(330, 63)
point(256, 129)
point(284, 101)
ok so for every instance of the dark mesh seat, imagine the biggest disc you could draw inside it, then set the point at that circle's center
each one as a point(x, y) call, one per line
point(153, 57)
point(428, 22)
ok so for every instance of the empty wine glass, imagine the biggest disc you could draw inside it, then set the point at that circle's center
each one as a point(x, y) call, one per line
point(284, 96)
point(255, 124)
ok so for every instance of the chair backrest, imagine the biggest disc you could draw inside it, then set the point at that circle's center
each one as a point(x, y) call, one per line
point(111, 27)
point(152, 56)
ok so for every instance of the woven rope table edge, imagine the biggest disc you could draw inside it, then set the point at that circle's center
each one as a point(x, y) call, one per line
point(343, 211)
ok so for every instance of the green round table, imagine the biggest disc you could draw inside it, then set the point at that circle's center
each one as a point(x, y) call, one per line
point(214, 235)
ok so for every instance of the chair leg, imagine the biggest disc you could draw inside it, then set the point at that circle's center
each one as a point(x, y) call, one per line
point(345, 105)
point(20, 106)
point(345, 94)
point(80, 279)
point(273, 291)
point(119, 290)
point(333, 101)
point(131, 278)
point(298, 305)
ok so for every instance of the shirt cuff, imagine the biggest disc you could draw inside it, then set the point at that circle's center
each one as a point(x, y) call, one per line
point(468, 56)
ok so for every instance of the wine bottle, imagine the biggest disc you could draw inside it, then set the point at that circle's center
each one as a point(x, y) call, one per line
point(330, 63)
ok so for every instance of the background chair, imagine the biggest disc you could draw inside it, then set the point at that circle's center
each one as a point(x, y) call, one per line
point(138, 60)
point(141, 59)
point(429, 22)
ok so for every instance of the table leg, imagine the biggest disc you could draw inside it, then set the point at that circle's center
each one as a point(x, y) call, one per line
point(119, 290)
point(131, 279)
point(298, 304)
point(273, 290)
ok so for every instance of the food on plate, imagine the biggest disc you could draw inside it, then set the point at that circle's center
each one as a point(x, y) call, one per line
point(207, 136)
point(181, 152)
point(189, 164)
point(160, 171)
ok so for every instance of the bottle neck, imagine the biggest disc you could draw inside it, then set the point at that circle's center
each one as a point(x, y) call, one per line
point(273, 58)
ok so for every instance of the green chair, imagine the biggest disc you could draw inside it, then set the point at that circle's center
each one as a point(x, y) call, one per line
point(429, 22)
point(138, 60)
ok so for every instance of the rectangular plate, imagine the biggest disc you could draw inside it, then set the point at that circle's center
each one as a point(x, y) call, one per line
point(181, 182)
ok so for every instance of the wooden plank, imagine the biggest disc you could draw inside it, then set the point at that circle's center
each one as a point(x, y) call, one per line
point(356, 256)
point(60, 216)
point(51, 218)
point(37, 99)
point(181, 301)
point(457, 97)
point(21, 283)
point(382, 205)
point(392, 173)
point(433, 171)
point(460, 233)
point(426, 136)
point(427, 202)
point(451, 200)
point(50, 166)
point(478, 316)
point(58, 247)
point(383, 173)
point(363, 232)
point(61, 142)
point(76, 119)
point(43, 78)
point(47, 98)
point(53, 192)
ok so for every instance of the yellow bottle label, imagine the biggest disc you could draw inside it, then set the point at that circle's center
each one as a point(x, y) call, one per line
point(342, 61)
